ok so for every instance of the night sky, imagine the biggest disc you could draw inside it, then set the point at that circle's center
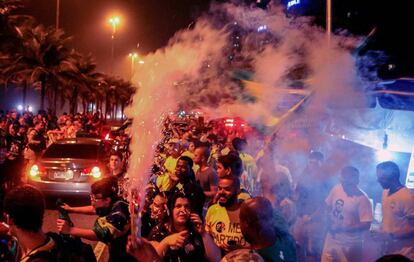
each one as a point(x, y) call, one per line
point(147, 25)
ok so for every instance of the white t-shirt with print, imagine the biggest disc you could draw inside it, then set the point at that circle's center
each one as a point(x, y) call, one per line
point(347, 210)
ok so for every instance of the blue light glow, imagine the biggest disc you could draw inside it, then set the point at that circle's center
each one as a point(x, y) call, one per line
point(292, 3)
point(262, 28)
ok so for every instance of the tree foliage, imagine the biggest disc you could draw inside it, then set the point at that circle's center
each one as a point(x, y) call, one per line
point(38, 57)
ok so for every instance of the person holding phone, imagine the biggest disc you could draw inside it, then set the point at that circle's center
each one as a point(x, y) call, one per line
point(182, 237)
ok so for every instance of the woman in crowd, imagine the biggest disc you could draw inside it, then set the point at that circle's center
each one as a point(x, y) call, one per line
point(182, 236)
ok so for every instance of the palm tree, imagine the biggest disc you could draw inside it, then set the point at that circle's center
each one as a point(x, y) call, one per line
point(11, 41)
point(95, 92)
point(118, 92)
point(42, 58)
point(6, 6)
point(124, 94)
point(80, 80)
point(35, 56)
point(10, 23)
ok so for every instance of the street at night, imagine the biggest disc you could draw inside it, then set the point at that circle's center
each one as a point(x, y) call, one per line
point(227, 130)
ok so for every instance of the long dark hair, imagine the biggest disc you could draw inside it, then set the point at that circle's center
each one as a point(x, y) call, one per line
point(171, 203)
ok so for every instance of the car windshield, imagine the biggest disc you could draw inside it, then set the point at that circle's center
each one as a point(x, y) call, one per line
point(82, 151)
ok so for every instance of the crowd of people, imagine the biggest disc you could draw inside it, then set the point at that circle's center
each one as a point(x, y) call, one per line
point(211, 199)
point(24, 136)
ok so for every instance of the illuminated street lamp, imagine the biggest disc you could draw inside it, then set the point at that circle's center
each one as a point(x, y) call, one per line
point(114, 21)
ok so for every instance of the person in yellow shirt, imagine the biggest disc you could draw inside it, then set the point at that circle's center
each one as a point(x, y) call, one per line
point(190, 150)
point(398, 211)
point(222, 219)
point(248, 178)
point(163, 181)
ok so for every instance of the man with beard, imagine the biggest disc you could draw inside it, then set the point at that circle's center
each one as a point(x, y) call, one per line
point(397, 210)
point(231, 165)
point(113, 223)
point(222, 219)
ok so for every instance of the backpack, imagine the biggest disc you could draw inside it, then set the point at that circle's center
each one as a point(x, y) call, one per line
point(68, 249)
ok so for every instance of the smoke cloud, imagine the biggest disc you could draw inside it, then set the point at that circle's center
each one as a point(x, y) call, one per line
point(202, 68)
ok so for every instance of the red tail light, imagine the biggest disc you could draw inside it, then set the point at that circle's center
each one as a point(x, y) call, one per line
point(36, 170)
point(94, 172)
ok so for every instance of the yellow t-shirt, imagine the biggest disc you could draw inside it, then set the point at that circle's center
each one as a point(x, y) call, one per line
point(224, 227)
point(191, 155)
point(164, 182)
point(397, 209)
point(188, 153)
point(170, 164)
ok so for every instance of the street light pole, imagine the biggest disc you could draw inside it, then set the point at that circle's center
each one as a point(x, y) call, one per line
point(114, 21)
point(57, 13)
point(329, 20)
